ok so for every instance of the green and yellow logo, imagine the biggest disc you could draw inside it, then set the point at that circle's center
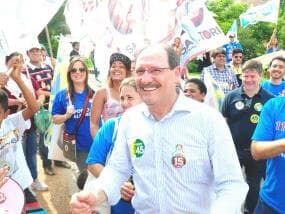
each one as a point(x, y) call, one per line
point(138, 148)
point(254, 118)
point(257, 106)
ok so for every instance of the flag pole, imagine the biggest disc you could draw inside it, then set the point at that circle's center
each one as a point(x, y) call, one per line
point(48, 40)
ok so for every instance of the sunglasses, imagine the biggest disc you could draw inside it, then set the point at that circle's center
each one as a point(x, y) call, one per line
point(74, 70)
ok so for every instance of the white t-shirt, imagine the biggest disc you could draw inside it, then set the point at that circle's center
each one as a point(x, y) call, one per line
point(11, 151)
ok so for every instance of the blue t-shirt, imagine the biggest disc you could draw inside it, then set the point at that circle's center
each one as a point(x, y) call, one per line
point(83, 135)
point(271, 127)
point(229, 47)
point(100, 150)
point(273, 89)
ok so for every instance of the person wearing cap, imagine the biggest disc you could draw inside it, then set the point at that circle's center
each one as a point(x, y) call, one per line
point(43, 74)
point(179, 151)
point(220, 72)
point(230, 46)
point(241, 108)
point(106, 101)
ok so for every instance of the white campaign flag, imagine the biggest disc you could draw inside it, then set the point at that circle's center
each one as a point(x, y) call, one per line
point(124, 25)
point(21, 21)
point(200, 32)
point(267, 12)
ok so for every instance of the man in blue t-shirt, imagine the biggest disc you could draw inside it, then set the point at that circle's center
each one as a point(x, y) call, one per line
point(269, 143)
point(276, 84)
point(230, 46)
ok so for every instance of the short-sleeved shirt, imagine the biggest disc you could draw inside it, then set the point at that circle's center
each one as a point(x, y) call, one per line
point(11, 150)
point(272, 127)
point(100, 151)
point(272, 88)
point(83, 135)
point(229, 47)
point(242, 114)
point(43, 75)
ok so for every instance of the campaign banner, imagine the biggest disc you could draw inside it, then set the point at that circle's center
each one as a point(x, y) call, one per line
point(267, 12)
point(200, 32)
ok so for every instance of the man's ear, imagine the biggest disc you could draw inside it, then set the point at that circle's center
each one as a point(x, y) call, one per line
point(178, 71)
point(6, 113)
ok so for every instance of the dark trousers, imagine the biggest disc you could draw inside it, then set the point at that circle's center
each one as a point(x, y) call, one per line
point(262, 208)
point(44, 151)
point(254, 171)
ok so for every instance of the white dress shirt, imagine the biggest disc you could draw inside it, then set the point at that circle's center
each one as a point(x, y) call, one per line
point(211, 180)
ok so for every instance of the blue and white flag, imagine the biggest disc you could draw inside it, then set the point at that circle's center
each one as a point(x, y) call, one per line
point(267, 12)
point(233, 29)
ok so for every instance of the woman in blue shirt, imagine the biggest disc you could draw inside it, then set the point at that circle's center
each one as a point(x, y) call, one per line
point(104, 141)
point(68, 106)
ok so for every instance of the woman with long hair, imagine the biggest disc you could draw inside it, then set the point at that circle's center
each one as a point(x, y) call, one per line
point(68, 106)
point(105, 102)
point(103, 144)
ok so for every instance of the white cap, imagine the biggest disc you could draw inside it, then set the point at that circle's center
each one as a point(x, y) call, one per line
point(34, 44)
point(231, 34)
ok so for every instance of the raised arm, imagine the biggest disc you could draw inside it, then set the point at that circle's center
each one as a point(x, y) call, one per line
point(32, 105)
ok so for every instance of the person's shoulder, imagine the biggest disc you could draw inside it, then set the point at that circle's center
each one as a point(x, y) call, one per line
point(101, 90)
point(276, 103)
point(265, 93)
point(62, 92)
point(265, 83)
point(14, 117)
point(110, 122)
point(235, 92)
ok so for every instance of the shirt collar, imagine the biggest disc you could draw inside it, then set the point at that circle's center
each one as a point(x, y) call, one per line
point(33, 67)
point(182, 104)
point(244, 94)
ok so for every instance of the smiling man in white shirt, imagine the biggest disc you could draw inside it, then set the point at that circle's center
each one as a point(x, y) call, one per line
point(179, 151)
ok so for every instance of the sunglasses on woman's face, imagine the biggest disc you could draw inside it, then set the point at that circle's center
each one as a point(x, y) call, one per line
point(74, 70)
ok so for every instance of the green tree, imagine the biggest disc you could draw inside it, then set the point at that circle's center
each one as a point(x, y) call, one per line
point(254, 37)
point(56, 26)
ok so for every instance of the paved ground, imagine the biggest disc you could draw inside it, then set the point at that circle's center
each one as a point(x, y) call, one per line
point(61, 187)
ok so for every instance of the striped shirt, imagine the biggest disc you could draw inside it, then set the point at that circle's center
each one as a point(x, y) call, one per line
point(226, 78)
point(190, 130)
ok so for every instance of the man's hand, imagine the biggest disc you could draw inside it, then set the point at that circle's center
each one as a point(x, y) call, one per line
point(83, 203)
point(127, 191)
point(17, 65)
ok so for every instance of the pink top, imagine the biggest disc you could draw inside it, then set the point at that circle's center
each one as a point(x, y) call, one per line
point(112, 107)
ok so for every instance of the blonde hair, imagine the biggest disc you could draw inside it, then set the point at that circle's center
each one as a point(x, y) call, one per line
point(129, 81)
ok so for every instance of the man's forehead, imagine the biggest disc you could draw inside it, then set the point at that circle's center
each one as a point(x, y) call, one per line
point(277, 61)
point(152, 55)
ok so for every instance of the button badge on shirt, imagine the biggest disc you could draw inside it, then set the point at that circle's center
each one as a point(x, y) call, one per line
point(138, 148)
point(258, 106)
point(178, 159)
point(239, 105)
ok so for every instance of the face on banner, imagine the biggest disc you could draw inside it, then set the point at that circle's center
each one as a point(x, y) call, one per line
point(200, 32)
